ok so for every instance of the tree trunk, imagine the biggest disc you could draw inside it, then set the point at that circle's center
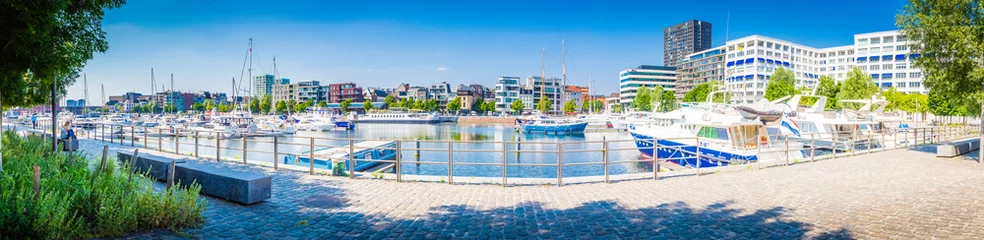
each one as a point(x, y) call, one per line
point(54, 114)
point(980, 149)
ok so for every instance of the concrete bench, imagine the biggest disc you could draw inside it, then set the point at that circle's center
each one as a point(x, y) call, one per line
point(154, 166)
point(231, 185)
point(953, 149)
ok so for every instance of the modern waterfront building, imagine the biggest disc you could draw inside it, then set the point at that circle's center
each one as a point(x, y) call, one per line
point(701, 67)
point(506, 92)
point(301, 91)
point(648, 76)
point(338, 92)
point(752, 60)
point(684, 39)
point(551, 88)
point(441, 92)
point(263, 84)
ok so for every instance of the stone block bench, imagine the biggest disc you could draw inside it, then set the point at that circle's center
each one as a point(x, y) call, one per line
point(216, 181)
point(953, 149)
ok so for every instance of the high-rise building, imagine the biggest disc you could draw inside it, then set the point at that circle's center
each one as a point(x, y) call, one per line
point(648, 76)
point(263, 84)
point(752, 60)
point(551, 88)
point(684, 39)
point(701, 67)
point(506, 92)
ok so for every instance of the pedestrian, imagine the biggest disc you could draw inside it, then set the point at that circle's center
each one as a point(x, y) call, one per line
point(68, 132)
point(34, 120)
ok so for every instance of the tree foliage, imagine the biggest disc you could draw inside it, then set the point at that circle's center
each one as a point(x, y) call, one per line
point(643, 100)
point(949, 36)
point(544, 105)
point(667, 101)
point(254, 105)
point(828, 87)
point(389, 101)
point(592, 106)
point(570, 106)
point(489, 106)
point(517, 106)
point(344, 105)
point(700, 92)
point(454, 105)
point(44, 39)
point(858, 85)
point(617, 108)
point(301, 107)
point(367, 105)
point(782, 84)
point(281, 107)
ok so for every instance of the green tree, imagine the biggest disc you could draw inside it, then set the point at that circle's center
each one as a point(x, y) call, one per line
point(322, 104)
point(781, 84)
point(209, 105)
point(198, 107)
point(254, 105)
point(477, 105)
point(570, 106)
point(389, 101)
point(291, 104)
point(45, 39)
point(281, 107)
point(593, 105)
point(454, 105)
point(301, 107)
point(517, 106)
point(431, 105)
point(265, 103)
point(858, 85)
point(667, 101)
point(698, 94)
point(617, 108)
point(170, 108)
point(489, 106)
point(643, 100)
point(344, 105)
point(367, 105)
point(948, 35)
point(828, 87)
point(544, 105)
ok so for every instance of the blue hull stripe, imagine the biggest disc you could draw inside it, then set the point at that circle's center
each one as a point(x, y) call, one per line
point(669, 150)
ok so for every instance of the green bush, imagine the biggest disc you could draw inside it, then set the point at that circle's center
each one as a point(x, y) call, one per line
point(76, 202)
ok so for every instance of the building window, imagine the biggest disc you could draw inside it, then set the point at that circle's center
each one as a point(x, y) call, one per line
point(899, 85)
point(899, 75)
point(888, 39)
point(915, 74)
point(875, 50)
point(863, 68)
point(875, 67)
point(862, 41)
point(900, 38)
point(875, 40)
point(900, 66)
point(887, 49)
point(914, 84)
point(863, 50)
point(887, 66)
point(901, 48)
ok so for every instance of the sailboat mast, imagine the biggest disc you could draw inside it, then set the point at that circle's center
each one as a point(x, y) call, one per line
point(85, 83)
point(590, 102)
point(153, 90)
point(171, 94)
point(543, 79)
point(563, 73)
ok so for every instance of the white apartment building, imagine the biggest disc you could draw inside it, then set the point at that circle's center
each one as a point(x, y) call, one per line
point(506, 92)
point(302, 91)
point(645, 76)
point(751, 61)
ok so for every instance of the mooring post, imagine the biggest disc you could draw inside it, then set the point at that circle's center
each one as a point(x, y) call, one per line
point(351, 157)
point(276, 152)
point(416, 153)
point(560, 163)
point(244, 149)
point(399, 163)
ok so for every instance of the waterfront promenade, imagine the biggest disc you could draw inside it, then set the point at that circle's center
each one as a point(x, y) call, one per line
point(900, 194)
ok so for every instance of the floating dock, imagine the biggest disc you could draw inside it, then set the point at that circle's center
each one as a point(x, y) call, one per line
point(363, 153)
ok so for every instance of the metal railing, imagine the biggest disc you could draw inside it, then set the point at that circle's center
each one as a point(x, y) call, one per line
point(771, 152)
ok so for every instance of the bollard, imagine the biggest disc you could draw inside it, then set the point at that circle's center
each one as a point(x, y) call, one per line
point(196, 144)
point(416, 153)
point(697, 154)
point(132, 133)
point(177, 144)
point(37, 182)
point(656, 165)
point(787, 150)
point(160, 141)
point(145, 146)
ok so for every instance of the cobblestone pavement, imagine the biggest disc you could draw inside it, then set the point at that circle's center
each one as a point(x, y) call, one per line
point(902, 194)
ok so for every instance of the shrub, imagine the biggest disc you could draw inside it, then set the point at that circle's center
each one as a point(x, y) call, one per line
point(78, 202)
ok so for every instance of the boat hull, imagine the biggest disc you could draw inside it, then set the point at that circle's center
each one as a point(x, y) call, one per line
point(400, 121)
point(683, 154)
point(561, 128)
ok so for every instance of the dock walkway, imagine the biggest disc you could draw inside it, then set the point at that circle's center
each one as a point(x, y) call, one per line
point(900, 194)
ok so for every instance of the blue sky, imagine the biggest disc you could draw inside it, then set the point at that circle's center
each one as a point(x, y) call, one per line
point(384, 43)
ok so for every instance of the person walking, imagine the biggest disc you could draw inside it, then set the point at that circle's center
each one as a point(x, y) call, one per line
point(34, 121)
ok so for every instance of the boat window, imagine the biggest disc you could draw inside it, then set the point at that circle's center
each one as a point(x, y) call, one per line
point(863, 126)
point(808, 127)
point(745, 135)
point(713, 133)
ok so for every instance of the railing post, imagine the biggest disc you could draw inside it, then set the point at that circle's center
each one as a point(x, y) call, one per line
point(505, 161)
point(351, 156)
point(218, 137)
point(883, 140)
point(160, 141)
point(450, 162)
point(145, 145)
point(656, 165)
point(604, 157)
point(399, 161)
point(905, 135)
point(697, 154)
point(787, 150)
point(132, 133)
point(177, 143)
point(895, 139)
point(102, 133)
point(311, 158)
point(244, 148)
point(834, 136)
point(276, 153)
point(196, 144)
point(560, 163)
point(870, 132)
point(915, 137)
point(813, 147)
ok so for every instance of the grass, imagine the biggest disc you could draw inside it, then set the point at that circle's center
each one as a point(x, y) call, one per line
point(76, 202)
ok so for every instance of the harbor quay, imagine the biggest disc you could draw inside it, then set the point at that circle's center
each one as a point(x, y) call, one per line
point(896, 194)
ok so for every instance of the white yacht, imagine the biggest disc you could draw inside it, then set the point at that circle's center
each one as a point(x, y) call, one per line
point(397, 117)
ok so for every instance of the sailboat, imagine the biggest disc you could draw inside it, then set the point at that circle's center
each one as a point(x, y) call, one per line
point(545, 124)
